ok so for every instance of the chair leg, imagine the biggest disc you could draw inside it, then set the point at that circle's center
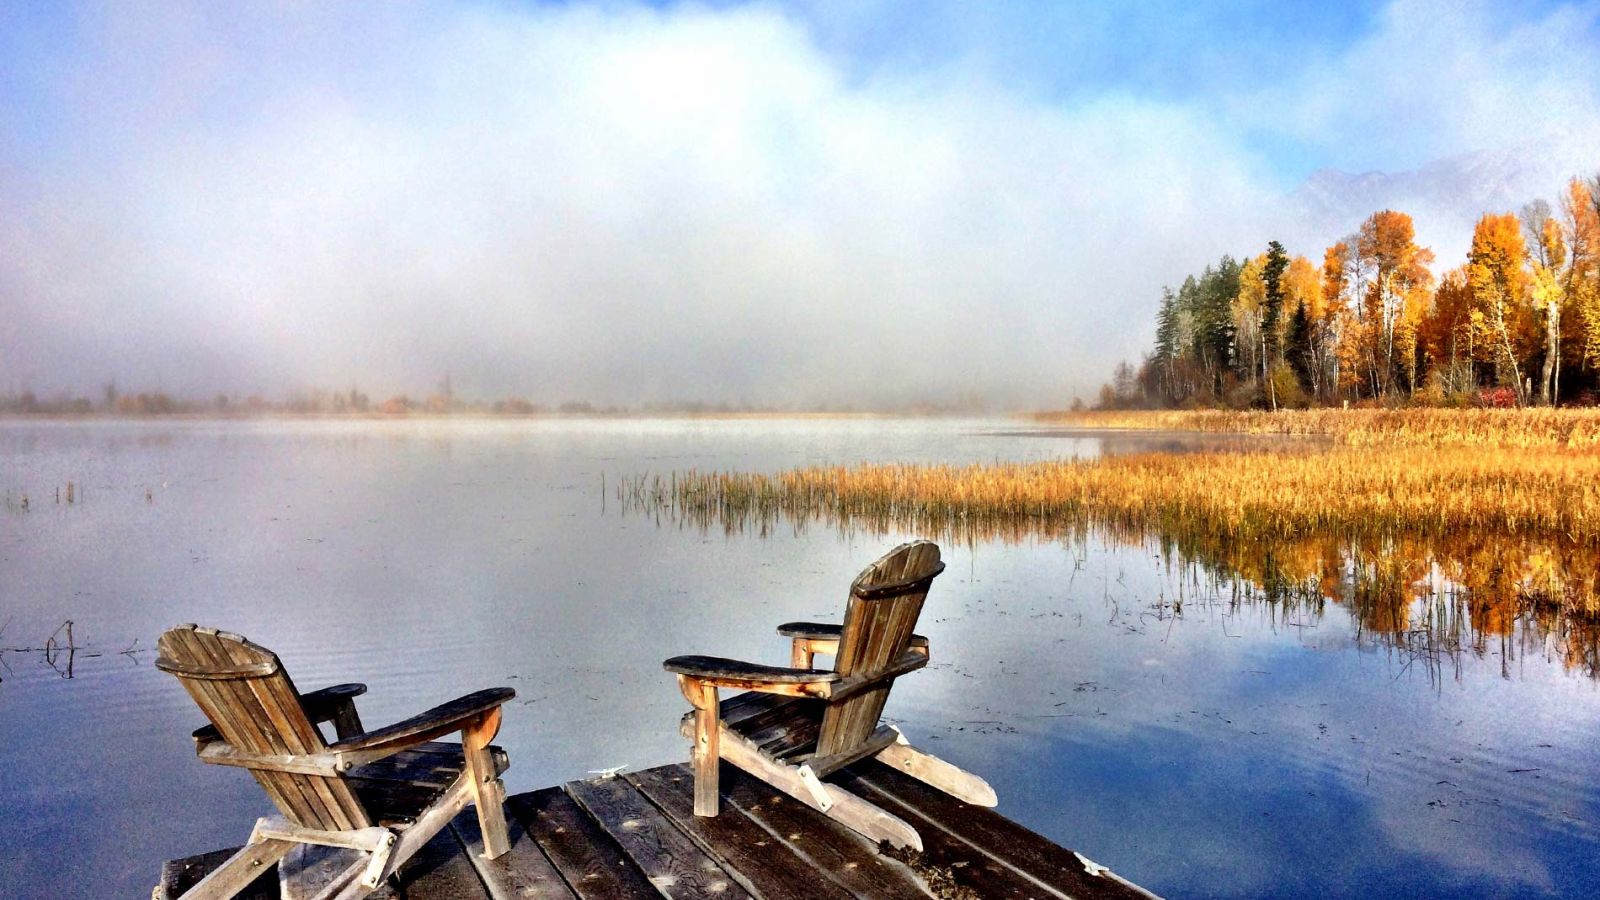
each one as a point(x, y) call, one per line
point(324, 872)
point(935, 772)
point(706, 753)
point(873, 822)
point(239, 871)
point(488, 791)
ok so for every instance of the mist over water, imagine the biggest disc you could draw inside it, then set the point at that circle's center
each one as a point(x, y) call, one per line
point(1163, 717)
point(746, 203)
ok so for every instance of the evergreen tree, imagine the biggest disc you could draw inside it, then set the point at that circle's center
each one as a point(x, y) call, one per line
point(1213, 319)
point(1167, 326)
point(1272, 308)
point(1298, 348)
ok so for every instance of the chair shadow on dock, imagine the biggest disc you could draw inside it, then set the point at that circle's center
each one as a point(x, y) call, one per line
point(636, 836)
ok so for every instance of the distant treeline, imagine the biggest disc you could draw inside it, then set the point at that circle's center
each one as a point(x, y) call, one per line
point(353, 402)
point(1518, 324)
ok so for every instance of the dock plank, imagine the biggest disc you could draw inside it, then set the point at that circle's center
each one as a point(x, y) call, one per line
point(637, 838)
point(591, 863)
point(521, 872)
point(179, 875)
point(762, 862)
point(965, 863)
point(668, 857)
point(440, 869)
point(1024, 850)
point(845, 856)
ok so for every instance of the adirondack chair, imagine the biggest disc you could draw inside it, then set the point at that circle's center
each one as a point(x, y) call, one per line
point(352, 810)
point(795, 726)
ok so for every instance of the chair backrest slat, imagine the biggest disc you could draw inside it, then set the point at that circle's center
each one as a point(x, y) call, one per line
point(244, 691)
point(885, 602)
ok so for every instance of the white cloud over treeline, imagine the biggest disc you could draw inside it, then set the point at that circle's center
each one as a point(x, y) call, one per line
point(629, 205)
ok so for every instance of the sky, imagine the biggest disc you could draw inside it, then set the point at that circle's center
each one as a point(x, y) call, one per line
point(836, 202)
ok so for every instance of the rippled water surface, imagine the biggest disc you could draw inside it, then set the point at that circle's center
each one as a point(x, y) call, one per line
point(1161, 718)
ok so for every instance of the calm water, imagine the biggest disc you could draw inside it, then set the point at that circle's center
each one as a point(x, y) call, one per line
point(1238, 748)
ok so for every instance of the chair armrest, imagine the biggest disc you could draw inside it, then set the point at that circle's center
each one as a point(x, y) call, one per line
point(440, 720)
point(813, 631)
point(335, 704)
point(817, 631)
point(320, 706)
point(733, 673)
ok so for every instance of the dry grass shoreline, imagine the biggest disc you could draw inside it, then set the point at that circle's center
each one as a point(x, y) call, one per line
point(1345, 490)
point(1514, 428)
point(1505, 504)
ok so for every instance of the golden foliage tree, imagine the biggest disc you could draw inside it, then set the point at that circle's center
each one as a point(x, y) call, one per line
point(1500, 294)
point(1399, 273)
point(1582, 213)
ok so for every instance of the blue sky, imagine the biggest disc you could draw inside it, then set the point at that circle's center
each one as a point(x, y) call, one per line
point(499, 188)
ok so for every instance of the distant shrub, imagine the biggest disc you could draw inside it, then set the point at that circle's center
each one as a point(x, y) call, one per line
point(1497, 397)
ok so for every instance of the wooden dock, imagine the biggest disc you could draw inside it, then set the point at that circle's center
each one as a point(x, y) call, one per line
point(634, 836)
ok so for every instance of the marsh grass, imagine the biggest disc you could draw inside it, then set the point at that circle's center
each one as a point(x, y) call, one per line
point(1573, 429)
point(1451, 538)
point(1346, 491)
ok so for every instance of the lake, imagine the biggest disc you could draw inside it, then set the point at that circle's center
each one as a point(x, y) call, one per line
point(1146, 704)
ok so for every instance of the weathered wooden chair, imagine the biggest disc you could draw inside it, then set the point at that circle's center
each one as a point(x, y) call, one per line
point(376, 796)
point(795, 726)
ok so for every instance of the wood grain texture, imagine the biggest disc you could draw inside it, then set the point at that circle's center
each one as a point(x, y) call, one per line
point(441, 869)
point(765, 844)
point(832, 848)
point(522, 873)
point(260, 715)
point(874, 638)
point(668, 857)
point(948, 822)
point(415, 786)
point(587, 858)
point(718, 668)
point(445, 718)
point(761, 861)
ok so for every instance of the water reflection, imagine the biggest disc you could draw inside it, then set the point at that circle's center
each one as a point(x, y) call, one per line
point(1150, 703)
point(1430, 599)
point(60, 652)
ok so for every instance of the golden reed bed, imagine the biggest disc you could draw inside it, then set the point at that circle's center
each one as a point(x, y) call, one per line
point(1352, 491)
point(1498, 509)
point(1573, 429)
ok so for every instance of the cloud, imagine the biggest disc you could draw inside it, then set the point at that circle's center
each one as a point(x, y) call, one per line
point(1436, 78)
point(612, 202)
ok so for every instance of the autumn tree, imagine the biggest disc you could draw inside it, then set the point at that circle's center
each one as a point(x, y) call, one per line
point(1248, 306)
point(1302, 292)
point(1337, 262)
point(1547, 257)
point(1368, 321)
point(1581, 211)
point(1499, 290)
point(1447, 334)
point(1387, 248)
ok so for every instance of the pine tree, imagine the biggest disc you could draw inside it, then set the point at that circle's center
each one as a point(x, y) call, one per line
point(1298, 349)
point(1167, 326)
point(1272, 308)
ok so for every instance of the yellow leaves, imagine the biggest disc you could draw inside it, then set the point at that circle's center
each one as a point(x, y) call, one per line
point(1302, 284)
point(1545, 291)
